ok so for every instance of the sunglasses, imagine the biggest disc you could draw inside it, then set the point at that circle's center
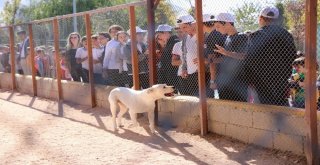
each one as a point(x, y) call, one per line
point(74, 37)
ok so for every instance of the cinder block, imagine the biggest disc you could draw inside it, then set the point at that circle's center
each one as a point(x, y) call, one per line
point(241, 117)
point(287, 142)
point(217, 127)
point(293, 125)
point(221, 115)
point(165, 105)
point(5, 81)
point(237, 132)
point(261, 137)
point(180, 115)
point(194, 109)
point(165, 119)
point(193, 122)
point(266, 121)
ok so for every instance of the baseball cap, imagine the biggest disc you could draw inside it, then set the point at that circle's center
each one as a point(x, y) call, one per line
point(138, 30)
point(270, 12)
point(21, 32)
point(185, 19)
point(225, 17)
point(207, 17)
point(164, 28)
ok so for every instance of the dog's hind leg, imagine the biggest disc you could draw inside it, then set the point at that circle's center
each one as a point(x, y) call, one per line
point(133, 117)
point(113, 108)
point(123, 110)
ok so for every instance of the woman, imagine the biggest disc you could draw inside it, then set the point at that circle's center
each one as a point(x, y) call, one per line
point(72, 46)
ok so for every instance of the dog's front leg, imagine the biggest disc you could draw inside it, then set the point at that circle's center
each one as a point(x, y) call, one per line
point(151, 120)
point(133, 117)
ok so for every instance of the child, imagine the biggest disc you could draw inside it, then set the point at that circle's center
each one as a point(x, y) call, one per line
point(297, 83)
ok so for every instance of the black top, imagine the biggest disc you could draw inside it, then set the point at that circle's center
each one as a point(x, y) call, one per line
point(71, 57)
point(271, 51)
point(230, 69)
point(211, 40)
point(165, 59)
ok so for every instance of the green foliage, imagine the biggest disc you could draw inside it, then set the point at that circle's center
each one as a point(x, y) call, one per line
point(247, 16)
point(10, 11)
point(165, 14)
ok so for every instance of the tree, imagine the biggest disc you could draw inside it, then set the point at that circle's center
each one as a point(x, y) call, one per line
point(295, 12)
point(247, 16)
point(10, 11)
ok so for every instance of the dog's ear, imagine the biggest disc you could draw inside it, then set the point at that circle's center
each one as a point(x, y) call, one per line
point(150, 90)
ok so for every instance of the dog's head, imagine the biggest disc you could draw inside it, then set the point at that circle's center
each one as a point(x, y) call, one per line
point(159, 91)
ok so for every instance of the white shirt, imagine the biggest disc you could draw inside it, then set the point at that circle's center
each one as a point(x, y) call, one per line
point(178, 51)
point(191, 44)
point(96, 54)
point(109, 61)
point(83, 53)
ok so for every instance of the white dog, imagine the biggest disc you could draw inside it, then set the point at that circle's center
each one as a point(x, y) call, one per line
point(136, 102)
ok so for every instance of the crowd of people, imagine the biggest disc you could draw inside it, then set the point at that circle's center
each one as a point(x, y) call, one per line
point(256, 67)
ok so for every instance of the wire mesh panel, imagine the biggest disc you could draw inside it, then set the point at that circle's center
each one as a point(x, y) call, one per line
point(44, 58)
point(5, 65)
point(72, 37)
point(22, 42)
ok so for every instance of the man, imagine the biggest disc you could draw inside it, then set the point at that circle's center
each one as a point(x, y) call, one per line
point(189, 74)
point(167, 73)
point(110, 65)
point(271, 52)
point(211, 39)
point(22, 59)
point(230, 80)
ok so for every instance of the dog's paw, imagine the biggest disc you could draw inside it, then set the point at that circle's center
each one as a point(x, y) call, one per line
point(133, 125)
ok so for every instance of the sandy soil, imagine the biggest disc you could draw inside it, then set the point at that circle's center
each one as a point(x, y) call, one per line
point(33, 131)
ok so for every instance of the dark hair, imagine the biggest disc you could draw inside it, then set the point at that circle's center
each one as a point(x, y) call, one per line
point(223, 23)
point(117, 27)
point(84, 38)
point(299, 61)
point(266, 19)
point(208, 24)
point(105, 34)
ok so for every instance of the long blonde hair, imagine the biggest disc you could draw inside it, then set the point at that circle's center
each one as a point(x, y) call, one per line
point(69, 44)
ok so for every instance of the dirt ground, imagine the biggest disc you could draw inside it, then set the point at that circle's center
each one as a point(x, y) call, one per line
point(34, 131)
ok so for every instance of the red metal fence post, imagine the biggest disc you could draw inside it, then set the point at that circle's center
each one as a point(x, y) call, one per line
point(90, 60)
point(311, 58)
point(201, 70)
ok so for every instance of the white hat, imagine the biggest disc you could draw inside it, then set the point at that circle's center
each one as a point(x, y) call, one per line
point(138, 30)
point(207, 18)
point(224, 17)
point(164, 28)
point(185, 19)
point(270, 12)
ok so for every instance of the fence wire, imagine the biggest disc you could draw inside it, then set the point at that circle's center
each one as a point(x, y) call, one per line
point(5, 50)
point(252, 53)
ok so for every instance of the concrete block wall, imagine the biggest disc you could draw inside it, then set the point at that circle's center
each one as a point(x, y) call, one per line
point(282, 128)
point(5, 80)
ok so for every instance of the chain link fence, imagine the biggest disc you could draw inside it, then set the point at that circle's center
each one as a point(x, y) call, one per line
point(252, 53)
point(5, 50)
